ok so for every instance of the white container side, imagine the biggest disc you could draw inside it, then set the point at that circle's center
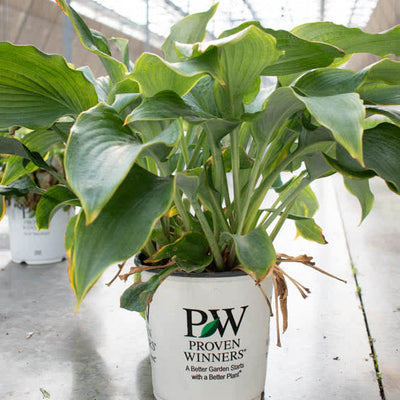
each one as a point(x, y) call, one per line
point(230, 364)
point(28, 244)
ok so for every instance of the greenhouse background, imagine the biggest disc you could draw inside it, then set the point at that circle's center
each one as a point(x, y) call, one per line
point(344, 341)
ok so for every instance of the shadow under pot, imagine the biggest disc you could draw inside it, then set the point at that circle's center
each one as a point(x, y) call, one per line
point(208, 336)
point(28, 244)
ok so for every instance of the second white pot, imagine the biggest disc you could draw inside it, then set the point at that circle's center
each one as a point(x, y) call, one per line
point(208, 336)
point(31, 246)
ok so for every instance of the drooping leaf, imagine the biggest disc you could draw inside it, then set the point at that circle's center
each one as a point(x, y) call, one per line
point(121, 229)
point(36, 89)
point(210, 328)
point(360, 188)
point(255, 253)
point(190, 29)
point(100, 145)
point(190, 252)
point(20, 187)
point(307, 205)
point(37, 141)
point(56, 197)
point(94, 42)
point(139, 296)
point(381, 152)
point(298, 54)
point(17, 148)
point(351, 40)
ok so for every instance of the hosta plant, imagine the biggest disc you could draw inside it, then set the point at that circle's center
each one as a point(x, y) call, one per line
point(196, 159)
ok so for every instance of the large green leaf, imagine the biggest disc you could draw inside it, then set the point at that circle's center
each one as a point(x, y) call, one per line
point(139, 295)
point(255, 253)
point(352, 40)
point(190, 252)
point(154, 74)
point(343, 115)
point(243, 56)
point(298, 54)
point(18, 188)
point(54, 198)
point(106, 150)
point(382, 152)
point(94, 42)
point(36, 89)
point(190, 29)
point(121, 229)
point(360, 188)
point(37, 141)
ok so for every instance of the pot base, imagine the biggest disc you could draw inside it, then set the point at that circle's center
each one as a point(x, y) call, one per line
point(39, 262)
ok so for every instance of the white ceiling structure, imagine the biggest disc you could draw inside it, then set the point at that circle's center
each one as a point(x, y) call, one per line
point(275, 14)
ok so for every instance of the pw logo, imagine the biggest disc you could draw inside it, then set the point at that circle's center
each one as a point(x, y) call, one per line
point(220, 320)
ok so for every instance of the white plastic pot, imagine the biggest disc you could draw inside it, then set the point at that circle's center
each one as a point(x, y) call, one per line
point(230, 364)
point(31, 246)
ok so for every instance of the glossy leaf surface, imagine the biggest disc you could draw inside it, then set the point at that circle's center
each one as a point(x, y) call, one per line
point(121, 229)
point(106, 150)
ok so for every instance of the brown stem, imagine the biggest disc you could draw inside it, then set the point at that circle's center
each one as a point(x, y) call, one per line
point(120, 267)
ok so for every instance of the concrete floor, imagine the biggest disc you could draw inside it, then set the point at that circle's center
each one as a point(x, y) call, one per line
point(101, 352)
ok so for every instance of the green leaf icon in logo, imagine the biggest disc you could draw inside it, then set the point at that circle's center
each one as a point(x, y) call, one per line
point(210, 328)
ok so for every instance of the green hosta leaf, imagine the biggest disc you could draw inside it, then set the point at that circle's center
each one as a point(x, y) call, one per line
point(36, 141)
point(190, 252)
point(255, 253)
point(123, 47)
point(245, 161)
point(380, 93)
point(281, 105)
point(209, 329)
point(189, 182)
point(382, 152)
point(329, 82)
point(343, 115)
point(360, 188)
point(391, 112)
point(106, 150)
point(163, 106)
point(311, 231)
point(154, 74)
point(56, 197)
point(298, 54)
point(306, 205)
point(386, 70)
point(36, 89)
point(139, 296)
point(15, 147)
point(121, 229)
point(243, 56)
point(352, 40)
point(21, 187)
point(190, 29)
point(94, 42)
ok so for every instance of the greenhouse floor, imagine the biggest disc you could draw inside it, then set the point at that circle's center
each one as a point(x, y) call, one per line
point(330, 350)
